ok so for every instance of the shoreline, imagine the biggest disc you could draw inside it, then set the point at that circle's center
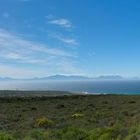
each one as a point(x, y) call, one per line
point(53, 93)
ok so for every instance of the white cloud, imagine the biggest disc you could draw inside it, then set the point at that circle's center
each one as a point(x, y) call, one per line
point(15, 44)
point(18, 57)
point(12, 56)
point(61, 22)
point(16, 51)
point(69, 41)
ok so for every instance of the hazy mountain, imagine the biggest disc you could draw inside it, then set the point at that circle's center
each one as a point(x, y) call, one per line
point(110, 77)
point(64, 77)
point(6, 78)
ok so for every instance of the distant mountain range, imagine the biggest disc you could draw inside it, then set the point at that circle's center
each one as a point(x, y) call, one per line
point(6, 78)
point(110, 77)
point(64, 77)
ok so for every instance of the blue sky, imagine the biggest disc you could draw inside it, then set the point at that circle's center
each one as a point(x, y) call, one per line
point(72, 37)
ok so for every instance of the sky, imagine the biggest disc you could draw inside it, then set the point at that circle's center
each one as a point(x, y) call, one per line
point(71, 37)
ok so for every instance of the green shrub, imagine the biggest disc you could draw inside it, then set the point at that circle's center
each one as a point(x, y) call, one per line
point(4, 136)
point(37, 134)
point(95, 134)
point(130, 137)
point(73, 133)
point(40, 134)
point(28, 138)
point(105, 136)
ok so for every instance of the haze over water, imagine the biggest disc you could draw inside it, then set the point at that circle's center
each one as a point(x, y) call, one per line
point(98, 86)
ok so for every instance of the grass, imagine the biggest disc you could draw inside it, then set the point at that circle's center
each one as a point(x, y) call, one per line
point(70, 117)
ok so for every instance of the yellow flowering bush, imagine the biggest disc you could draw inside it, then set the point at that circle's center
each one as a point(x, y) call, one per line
point(43, 122)
point(77, 115)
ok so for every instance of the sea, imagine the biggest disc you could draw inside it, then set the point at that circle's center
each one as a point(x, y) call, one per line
point(86, 86)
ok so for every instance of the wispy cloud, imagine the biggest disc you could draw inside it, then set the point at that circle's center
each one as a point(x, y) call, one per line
point(20, 58)
point(12, 55)
point(69, 41)
point(65, 23)
point(15, 49)
point(62, 22)
point(11, 42)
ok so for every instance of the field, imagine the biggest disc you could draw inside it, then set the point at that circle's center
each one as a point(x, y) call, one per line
point(69, 117)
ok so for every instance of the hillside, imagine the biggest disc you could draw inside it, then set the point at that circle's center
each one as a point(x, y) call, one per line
point(75, 117)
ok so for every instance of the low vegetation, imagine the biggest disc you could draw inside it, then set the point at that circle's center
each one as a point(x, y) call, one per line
point(70, 117)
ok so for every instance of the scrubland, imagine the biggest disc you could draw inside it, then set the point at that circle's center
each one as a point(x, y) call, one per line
point(70, 117)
